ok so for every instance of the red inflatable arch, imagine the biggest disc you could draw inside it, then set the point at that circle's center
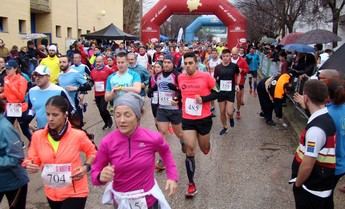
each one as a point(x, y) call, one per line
point(226, 12)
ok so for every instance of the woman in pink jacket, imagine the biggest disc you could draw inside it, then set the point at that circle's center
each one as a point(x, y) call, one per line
point(126, 157)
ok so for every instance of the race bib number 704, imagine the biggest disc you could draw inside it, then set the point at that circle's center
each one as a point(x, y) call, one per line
point(57, 175)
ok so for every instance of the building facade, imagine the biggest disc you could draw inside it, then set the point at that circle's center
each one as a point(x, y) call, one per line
point(63, 21)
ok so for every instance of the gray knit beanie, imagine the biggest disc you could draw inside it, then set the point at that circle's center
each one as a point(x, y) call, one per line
point(132, 100)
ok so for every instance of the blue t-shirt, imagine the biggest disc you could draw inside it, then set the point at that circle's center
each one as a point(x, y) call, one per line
point(144, 76)
point(124, 80)
point(82, 69)
point(72, 78)
point(253, 61)
point(337, 112)
point(37, 99)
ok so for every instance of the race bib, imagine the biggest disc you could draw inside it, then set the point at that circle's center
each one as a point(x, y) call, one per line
point(225, 85)
point(193, 108)
point(99, 86)
point(57, 175)
point(14, 109)
point(154, 99)
point(165, 98)
point(137, 203)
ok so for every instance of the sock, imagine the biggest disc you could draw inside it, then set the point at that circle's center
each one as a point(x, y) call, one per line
point(190, 167)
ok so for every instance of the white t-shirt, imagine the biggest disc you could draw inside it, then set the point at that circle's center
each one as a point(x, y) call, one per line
point(213, 63)
point(315, 139)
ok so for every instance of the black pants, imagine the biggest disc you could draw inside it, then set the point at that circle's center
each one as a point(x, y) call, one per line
point(24, 122)
point(69, 203)
point(306, 200)
point(102, 108)
point(267, 106)
point(16, 198)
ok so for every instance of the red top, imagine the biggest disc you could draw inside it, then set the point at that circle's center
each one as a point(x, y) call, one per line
point(243, 65)
point(100, 77)
point(177, 56)
point(200, 83)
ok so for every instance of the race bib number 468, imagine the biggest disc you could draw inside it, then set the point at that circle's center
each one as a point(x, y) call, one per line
point(193, 108)
point(57, 175)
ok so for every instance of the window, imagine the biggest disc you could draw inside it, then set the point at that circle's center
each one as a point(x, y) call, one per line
point(79, 33)
point(58, 30)
point(22, 26)
point(3, 24)
point(69, 32)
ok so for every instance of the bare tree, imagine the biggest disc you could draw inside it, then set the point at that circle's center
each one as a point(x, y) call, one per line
point(131, 16)
point(175, 22)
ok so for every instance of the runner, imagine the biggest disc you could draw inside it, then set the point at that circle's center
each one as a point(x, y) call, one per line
point(132, 178)
point(143, 58)
point(99, 76)
point(52, 62)
point(122, 81)
point(243, 66)
point(141, 70)
point(15, 88)
point(153, 93)
point(73, 82)
point(169, 109)
point(39, 95)
point(253, 61)
point(57, 149)
point(13, 178)
point(228, 76)
point(196, 88)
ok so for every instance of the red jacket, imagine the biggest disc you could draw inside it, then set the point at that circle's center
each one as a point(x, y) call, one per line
point(243, 65)
point(100, 77)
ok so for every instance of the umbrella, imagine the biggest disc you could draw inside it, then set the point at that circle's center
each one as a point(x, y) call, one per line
point(336, 60)
point(267, 40)
point(291, 38)
point(33, 36)
point(302, 48)
point(318, 36)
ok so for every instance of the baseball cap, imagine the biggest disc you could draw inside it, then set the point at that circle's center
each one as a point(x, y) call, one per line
point(168, 57)
point(11, 64)
point(42, 70)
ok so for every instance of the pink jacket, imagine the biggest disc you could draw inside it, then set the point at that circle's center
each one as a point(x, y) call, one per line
point(133, 159)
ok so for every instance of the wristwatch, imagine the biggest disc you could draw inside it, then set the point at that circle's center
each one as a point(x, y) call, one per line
point(88, 167)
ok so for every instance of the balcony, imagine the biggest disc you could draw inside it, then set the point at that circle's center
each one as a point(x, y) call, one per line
point(40, 6)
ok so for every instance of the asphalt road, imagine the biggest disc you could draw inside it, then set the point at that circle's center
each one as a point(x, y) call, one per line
point(246, 169)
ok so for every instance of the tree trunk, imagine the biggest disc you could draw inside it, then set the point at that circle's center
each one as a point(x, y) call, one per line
point(336, 16)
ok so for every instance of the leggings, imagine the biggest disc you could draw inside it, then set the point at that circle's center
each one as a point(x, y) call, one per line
point(69, 203)
point(16, 198)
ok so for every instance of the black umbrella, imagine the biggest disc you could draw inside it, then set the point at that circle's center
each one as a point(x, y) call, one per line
point(111, 32)
point(318, 36)
point(336, 61)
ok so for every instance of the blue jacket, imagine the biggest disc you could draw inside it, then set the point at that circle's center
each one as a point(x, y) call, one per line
point(12, 174)
point(253, 61)
point(144, 76)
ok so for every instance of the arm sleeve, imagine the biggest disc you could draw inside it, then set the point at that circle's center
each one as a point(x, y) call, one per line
point(164, 151)
point(99, 163)
point(315, 139)
point(12, 154)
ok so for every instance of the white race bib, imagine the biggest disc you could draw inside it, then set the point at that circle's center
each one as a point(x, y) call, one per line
point(193, 108)
point(99, 86)
point(225, 85)
point(57, 175)
point(154, 99)
point(165, 98)
point(137, 203)
point(14, 109)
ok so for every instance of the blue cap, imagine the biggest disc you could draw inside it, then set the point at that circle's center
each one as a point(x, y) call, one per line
point(168, 57)
point(11, 64)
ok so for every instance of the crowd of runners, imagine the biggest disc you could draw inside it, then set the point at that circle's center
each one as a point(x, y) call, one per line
point(44, 97)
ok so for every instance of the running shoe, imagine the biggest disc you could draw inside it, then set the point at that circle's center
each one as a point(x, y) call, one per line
point(262, 114)
point(159, 166)
point(238, 115)
point(232, 122)
point(270, 123)
point(191, 190)
point(281, 121)
point(223, 131)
